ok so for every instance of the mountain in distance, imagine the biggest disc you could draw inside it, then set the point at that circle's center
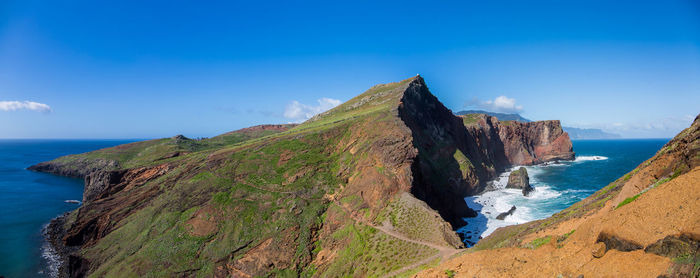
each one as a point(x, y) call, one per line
point(574, 132)
point(589, 133)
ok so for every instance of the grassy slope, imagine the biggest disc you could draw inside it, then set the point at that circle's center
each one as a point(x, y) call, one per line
point(152, 152)
point(247, 188)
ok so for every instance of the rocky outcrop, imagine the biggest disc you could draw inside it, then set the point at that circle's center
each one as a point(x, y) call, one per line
point(441, 141)
point(614, 242)
point(269, 255)
point(519, 179)
point(78, 168)
point(104, 183)
point(676, 246)
point(103, 207)
point(525, 143)
point(535, 142)
point(506, 214)
point(458, 155)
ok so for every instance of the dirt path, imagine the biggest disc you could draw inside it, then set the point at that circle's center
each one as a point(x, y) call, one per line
point(444, 252)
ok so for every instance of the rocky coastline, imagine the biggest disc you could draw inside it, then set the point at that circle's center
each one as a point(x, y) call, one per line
point(53, 234)
point(420, 148)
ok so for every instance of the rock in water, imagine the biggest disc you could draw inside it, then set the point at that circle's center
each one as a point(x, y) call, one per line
point(520, 180)
point(505, 214)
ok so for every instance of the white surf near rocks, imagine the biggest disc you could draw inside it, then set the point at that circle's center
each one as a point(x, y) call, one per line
point(541, 203)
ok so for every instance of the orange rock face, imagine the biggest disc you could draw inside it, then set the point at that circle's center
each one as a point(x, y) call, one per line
point(535, 142)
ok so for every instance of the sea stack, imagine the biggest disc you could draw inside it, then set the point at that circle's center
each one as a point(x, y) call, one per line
point(520, 180)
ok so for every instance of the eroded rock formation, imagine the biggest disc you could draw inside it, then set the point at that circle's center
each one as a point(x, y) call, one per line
point(519, 179)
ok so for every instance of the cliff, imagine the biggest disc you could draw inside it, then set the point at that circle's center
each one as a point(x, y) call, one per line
point(574, 133)
point(535, 142)
point(371, 187)
point(644, 224)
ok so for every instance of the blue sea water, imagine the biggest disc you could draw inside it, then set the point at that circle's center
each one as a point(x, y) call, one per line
point(557, 185)
point(29, 200)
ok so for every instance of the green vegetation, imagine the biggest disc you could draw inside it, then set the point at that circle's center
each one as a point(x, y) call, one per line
point(471, 119)
point(657, 183)
point(508, 123)
point(569, 234)
point(245, 188)
point(628, 200)
point(465, 165)
point(233, 192)
point(689, 259)
point(450, 273)
point(151, 152)
point(564, 237)
point(536, 243)
point(253, 203)
point(370, 252)
point(410, 218)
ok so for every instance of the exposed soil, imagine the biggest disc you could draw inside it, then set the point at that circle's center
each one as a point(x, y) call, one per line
point(673, 208)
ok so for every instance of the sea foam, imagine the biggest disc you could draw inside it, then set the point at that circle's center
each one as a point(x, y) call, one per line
point(497, 199)
point(589, 158)
point(51, 257)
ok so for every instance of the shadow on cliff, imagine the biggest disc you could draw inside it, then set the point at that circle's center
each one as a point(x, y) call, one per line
point(453, 161)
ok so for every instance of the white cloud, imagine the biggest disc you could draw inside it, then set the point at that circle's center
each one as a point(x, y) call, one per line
point(502, 104)
point(298, 112)
point(28, 105)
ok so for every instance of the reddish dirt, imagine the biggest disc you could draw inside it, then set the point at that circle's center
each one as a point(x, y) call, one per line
point(203, 222)
point(268, 255)
point(670, 209)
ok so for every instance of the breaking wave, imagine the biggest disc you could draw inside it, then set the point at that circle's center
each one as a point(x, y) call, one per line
point(589, 158)
point(53, 260)
point(542, 202)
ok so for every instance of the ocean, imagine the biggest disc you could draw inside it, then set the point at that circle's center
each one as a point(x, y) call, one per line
point(29, 200)
point(557, 185)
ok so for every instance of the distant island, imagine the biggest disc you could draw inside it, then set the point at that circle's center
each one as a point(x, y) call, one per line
point(574, 132)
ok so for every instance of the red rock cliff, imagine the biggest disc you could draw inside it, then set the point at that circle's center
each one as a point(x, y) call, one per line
point(535, 142)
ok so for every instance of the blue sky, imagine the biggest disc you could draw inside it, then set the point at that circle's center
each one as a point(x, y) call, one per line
point(130, 69)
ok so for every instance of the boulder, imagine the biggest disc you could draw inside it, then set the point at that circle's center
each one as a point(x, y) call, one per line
point(598, 250)
point(520, 180)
